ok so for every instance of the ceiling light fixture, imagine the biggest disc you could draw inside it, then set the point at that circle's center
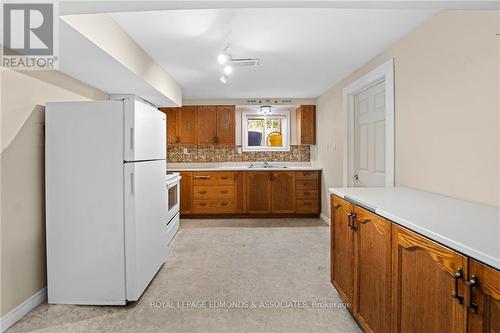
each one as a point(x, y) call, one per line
point(228, 70)
point(223, 79)
point(265, 109)
point(223, 57)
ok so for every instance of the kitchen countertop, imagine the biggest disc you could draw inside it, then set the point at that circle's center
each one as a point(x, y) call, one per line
point(469, 228)
point(292, 166)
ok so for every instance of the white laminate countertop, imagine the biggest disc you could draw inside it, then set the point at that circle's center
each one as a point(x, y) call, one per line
point(292, 166)
point(469, 228)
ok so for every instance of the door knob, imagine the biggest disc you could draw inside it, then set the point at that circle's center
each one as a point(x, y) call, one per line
point(355, 177)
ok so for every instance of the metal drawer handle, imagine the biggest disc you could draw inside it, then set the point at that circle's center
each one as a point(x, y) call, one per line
point(202, 192)
point(203, 204)
point(224, 177)
point(473, 282)
point(307, 194)
point(223, 192)
point(307, 204)
point(224, 203)
point(351, 218)
point(459, 274)
point(201, 177)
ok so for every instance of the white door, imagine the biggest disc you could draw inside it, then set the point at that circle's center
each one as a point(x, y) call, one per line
point(369, 137)
point(145, 223)
point(145, 132)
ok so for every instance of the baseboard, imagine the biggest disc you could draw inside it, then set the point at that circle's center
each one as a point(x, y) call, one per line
point(22, 309)
point(325, 218)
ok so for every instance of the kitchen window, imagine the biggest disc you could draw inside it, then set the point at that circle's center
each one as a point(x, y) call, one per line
point(270, 132)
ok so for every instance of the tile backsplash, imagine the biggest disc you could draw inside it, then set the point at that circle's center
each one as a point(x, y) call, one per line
point(218, 154)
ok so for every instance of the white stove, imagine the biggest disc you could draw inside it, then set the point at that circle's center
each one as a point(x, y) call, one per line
point(173, 203)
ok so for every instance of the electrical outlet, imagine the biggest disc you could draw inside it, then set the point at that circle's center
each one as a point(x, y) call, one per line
point(239, 150)
point(184, 150)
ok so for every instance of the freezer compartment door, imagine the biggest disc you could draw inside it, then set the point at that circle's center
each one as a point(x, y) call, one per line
point(145, 220)
point(145, 132)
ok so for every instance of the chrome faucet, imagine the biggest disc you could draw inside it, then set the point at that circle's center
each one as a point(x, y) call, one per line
point(266, 164)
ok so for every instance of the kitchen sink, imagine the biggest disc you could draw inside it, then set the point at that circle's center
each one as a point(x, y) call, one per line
point(266, 166)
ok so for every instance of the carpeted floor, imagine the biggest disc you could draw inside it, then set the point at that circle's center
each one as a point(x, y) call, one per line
point(267, 275)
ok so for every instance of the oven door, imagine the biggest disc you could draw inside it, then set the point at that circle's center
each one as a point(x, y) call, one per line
point(173, 190)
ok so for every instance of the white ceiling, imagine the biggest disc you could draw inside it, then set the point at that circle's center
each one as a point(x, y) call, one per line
point(303, 51)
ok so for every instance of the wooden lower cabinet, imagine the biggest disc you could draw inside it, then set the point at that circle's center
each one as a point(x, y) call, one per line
point(372, 271)
point(186, 192)
point(282, 192)
point(258, 192)
point(427, 285)
point(483, 298)
point(342, 249)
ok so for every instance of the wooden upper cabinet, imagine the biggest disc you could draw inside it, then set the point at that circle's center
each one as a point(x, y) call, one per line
point(483, 298)
point(427, 285)
point(282, 192)
point(226, 131)
point(172, 124)
point(306, 124)
point(342, 248)
point(187, 125)
point(372, 271)
point(207, 128)
point(258, 192)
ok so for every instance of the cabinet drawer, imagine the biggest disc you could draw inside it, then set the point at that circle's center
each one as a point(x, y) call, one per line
point(202, 192)
point(306, 184)
point(306, 175)
point(305, 206)
point(213, 178)
point(306, 194)
point(213, 206)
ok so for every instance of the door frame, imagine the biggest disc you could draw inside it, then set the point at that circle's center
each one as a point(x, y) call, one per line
point(384, 72)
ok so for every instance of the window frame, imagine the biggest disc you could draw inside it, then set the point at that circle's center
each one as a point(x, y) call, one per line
point(284, 115)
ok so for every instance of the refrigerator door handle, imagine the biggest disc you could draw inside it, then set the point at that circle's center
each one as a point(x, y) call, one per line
point(132, 183)
point(132, 139)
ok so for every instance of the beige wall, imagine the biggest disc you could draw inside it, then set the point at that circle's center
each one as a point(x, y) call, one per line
point(22, 225)
point(445, 109)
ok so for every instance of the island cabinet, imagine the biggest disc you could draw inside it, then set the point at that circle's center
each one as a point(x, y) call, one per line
point(396, 280)
point(483, 298)
point(427, 286)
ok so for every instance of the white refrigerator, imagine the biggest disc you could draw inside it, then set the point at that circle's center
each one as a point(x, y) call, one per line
point(106, 200)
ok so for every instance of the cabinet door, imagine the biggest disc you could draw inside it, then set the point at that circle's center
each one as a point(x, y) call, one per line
point(240, 189)
point(306, 124)
point(342, 247)
point(187, 125)
point(172, 124)
point(206, 120)
point(427, 285)
point(483, 298)
point(372, 271)
point(258, 192)
point(225, 125)
point(283, 192)
point(186, 192)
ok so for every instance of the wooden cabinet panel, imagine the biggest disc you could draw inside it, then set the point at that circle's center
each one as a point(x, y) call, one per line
point(213, 206)
point(307, 175)
point(225, 132)
point(187, 125)
point(372, 271)
point(213, 178)
point(306, 124)
point(204, 192)
point(342, 247)
point(258, 192)
point(282, 192)
point(207, 128)
point(172, 124)
point(240, 189)
point(483, 298)
point(307, 206)
point(186, 191)
point(307, 184)
point(423, 285)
